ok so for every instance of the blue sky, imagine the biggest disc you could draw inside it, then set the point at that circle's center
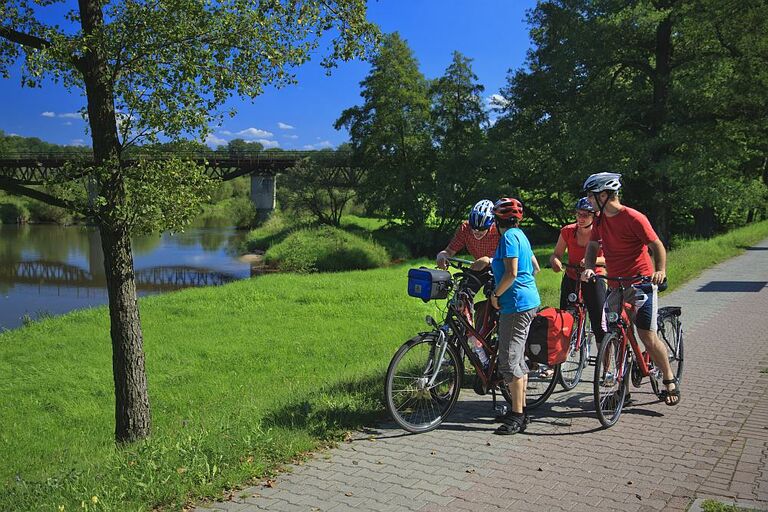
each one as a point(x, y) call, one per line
point(492, 32)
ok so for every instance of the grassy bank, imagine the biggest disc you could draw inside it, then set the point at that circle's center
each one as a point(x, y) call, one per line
point(242, 378)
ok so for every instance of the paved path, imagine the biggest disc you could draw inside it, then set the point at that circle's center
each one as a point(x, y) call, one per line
point(714, 444)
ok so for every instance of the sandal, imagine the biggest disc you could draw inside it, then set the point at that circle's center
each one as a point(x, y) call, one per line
point(666, 394)
point(513, 425)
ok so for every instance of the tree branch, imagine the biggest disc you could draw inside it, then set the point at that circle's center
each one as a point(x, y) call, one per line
point(38, 43)
point(10, 185)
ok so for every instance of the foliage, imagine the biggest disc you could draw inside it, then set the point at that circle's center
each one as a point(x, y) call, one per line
point(13, 211)
point(273, 230)
point(390, 134)
point(665, 92)
point(325, 249)
point(320, 189)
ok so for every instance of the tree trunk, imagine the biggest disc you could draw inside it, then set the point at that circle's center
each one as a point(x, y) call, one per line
point(132, 417)
point(704, 222)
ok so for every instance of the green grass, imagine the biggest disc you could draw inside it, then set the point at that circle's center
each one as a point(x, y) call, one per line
point(242, 378)
point(716, 506)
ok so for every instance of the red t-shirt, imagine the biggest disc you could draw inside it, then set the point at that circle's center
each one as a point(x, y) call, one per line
point(624, 238)
point(486, 246)
point(576, 252)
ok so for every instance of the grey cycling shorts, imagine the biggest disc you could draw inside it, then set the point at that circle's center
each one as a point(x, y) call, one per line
point(513, 332)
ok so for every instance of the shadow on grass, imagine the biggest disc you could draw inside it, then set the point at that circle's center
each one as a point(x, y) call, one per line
point(347, 405)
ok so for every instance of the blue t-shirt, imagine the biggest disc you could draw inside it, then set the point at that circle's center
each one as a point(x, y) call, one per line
point(523, 294)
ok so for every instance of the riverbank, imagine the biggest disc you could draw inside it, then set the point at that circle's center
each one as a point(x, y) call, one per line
point(242, 378)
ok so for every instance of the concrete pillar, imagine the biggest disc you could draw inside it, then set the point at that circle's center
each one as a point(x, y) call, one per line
point(263, 195)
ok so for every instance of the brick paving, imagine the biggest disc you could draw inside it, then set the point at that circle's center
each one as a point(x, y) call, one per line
point(713, 445)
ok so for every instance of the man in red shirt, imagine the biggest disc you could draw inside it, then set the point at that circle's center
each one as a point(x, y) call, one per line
point(478, 236)
point(626, 236)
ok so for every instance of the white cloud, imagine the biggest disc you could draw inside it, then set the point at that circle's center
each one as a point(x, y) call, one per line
point(67, 123)
point(48, 114)
point(212, 141)
point(268, 143)
point(77, 142)
point(497, 101)
point(284, 126)
point(292, 137)
point(71, 115)
point(319, 145)
point(253, 133)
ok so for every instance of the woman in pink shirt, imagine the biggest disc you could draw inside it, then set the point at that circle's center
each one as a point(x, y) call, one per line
point(573, 239)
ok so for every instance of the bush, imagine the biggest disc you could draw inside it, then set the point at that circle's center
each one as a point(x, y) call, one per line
point(13, 211)
point(233, 211)
point(325, 249)
point(42, 212)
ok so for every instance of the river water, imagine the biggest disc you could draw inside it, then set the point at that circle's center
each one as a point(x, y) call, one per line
point(49, 270)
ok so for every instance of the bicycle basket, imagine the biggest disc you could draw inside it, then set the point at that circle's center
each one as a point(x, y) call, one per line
point(428, 284)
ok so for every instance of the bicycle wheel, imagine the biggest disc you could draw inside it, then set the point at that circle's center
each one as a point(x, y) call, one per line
point(412, 402)
point(670, 332)
point(542, 380)
point(610, 387)
point(573, 366)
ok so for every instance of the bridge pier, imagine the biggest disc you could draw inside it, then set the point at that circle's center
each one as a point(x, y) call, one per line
point(263, 195)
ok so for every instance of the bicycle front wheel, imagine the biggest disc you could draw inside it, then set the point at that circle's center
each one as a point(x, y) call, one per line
point(573, 366)
point(611, 379)
point(416, 401)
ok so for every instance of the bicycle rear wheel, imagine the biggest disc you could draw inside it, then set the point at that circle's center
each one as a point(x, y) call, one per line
point(573, 366)
point(414, 403)
point(670, 332)
point(542, 380)
point(611, 379)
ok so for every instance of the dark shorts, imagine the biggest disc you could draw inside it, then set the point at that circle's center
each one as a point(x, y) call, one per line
point(645, 297)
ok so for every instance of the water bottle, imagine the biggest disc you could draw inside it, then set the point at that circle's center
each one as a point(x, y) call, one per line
point(477, 347)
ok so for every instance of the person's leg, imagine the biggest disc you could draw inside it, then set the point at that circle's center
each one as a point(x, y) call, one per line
point(515, 327)
point(646, 308)
point(594, 299)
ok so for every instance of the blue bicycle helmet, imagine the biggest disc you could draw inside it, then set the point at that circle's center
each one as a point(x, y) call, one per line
point(584, 204)
point(481, 216)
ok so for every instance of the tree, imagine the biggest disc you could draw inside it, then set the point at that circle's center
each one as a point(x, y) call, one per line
point(390, 134)
point(458, 119)
point(665, 91)
point(321, 186)
point(151, 69)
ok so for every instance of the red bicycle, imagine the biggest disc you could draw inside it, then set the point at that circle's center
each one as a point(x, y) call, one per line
point(616, 365)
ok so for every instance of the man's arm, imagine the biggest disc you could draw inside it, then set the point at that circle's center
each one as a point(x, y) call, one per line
point(589, 260)
point(443, 255)
point(659, 261)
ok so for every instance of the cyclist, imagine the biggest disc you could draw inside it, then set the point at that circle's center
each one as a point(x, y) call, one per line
point(626, 236)
point(517, 299)
point(574, 238)
point(477, 234)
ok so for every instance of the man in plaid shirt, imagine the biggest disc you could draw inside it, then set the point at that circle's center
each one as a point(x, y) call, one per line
point(478, 236)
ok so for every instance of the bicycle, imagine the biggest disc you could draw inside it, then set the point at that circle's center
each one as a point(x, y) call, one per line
point(581, 337)
point(616, 365)
point(426, 373)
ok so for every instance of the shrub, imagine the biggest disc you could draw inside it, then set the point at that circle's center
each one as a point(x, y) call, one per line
point(273, 230)
point(12, 211)
point(233, 211)
point(325, 249)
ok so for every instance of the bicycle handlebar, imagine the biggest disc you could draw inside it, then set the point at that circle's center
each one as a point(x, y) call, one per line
point(459, 261)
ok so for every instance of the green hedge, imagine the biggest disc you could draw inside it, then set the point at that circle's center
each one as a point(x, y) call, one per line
point(13, 211)
point(325, 249)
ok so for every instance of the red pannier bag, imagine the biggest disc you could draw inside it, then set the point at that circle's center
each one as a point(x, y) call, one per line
point(550, 336)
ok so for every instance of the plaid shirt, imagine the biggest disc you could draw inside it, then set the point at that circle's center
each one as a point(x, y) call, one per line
point(486, 246)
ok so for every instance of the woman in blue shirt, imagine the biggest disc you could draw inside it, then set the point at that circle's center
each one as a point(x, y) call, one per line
point(517, 299)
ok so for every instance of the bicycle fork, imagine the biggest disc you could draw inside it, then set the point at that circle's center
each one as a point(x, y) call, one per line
point(441, 345)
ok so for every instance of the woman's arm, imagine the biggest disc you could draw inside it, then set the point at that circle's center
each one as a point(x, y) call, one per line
point(510, 274)
point(556, 260)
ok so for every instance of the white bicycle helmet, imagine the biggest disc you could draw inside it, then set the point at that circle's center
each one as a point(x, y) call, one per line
point(481, 216)
point(603, 181)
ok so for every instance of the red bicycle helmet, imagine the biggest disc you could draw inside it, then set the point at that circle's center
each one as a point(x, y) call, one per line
point(508, 208)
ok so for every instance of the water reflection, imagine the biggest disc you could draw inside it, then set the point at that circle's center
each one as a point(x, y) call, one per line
point(53, 269)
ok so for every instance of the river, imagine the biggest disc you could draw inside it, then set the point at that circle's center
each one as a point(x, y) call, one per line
point(49, 270)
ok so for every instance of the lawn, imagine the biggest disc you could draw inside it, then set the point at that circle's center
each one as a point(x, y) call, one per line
point(242, 378)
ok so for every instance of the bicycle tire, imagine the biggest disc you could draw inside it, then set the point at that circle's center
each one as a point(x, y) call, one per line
point(670, 332)
point(533, 398)
point(541, 384)
point(411, 404)
point(572, 368)
point(609, 399)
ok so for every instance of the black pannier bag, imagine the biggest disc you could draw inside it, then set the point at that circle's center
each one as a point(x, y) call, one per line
point(428, 283)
